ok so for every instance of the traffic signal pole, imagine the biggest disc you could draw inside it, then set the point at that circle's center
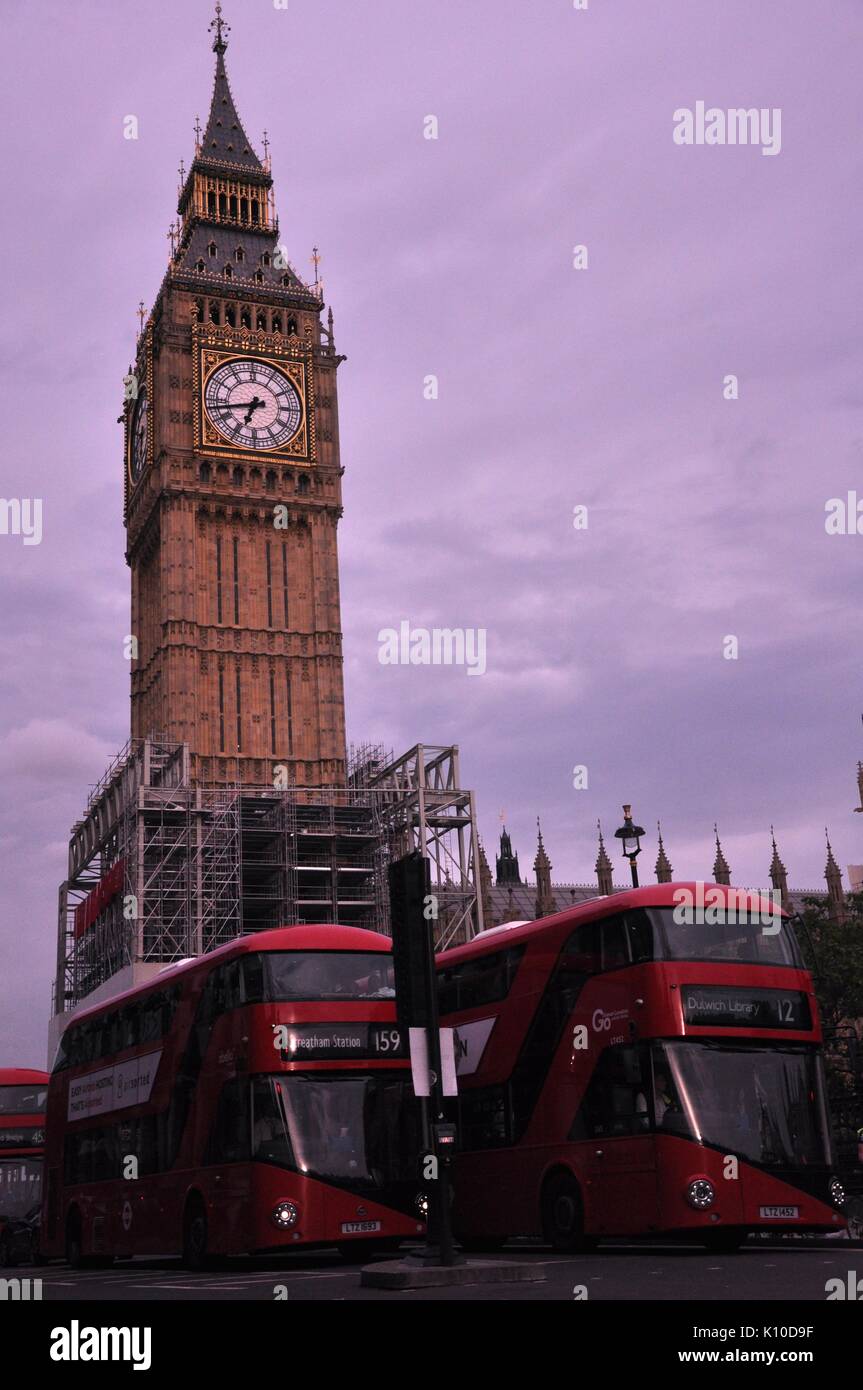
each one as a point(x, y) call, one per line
point(413, 917)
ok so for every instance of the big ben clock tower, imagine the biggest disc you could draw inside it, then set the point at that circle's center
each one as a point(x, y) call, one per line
point(233, 487)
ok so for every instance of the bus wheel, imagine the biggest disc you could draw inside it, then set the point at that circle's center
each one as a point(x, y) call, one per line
point(74, 1252)
point(563, 1215)
point(195, 1234)
point(723, 1242)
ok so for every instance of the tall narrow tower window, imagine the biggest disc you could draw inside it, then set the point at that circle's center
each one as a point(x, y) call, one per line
point(239, 713)
point(277, 323)
point(221, 710)
point(199, 303)
point(219, 580)
point(255, 209)
point(245, 317)
point(262, 321)
point(223, 205)
point(236, 581)
point(272, 710)
point(285, 579)
point(211, 250)
point(269, 587)
point(244, 209)
point(290, 712)
point(214, 311)
point(211, 203)
point(234, 206)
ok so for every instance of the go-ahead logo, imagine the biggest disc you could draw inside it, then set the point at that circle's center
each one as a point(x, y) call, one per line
point(602, 1021)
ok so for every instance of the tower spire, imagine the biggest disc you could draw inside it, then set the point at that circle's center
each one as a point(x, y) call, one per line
point(544, 898)
point(835, 891)
point(506, 862)
point(224, 140)
point(222, 27)
point(484, 885)
point(603, 867)
point(664, 873)
point(778, 874)
point(721, 871)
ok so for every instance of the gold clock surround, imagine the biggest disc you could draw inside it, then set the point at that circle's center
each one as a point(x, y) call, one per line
point(212, 349)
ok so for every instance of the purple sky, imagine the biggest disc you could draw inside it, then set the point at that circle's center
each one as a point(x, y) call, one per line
point(557, 387)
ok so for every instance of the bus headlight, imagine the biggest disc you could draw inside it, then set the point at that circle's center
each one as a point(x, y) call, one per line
point(837, 1192)
point(284, 1215)
point(421, 1202)
point(700, 1194)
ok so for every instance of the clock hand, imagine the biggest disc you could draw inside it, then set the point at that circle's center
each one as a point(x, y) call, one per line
point(254, 404)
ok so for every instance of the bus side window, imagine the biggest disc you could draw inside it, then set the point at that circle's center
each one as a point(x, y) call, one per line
point(583, 950)
point(613, 937)
point(151, 1018)
point(486, 980)
point(253, 979)
point(616, 1100)
point(230, 1137)
point(232, 997)
point(640, 934)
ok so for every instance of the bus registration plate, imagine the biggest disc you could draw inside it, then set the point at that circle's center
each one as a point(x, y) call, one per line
point(351, 1228)
point(779, 1213)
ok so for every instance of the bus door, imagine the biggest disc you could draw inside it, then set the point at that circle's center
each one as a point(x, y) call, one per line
point(228, 1170)
point(614, 1125)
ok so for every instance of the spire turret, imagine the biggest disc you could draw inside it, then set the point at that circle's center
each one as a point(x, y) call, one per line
point(229, 229)
point(779, 875)
point(603, 867)
point(485, 886)
point(225, 141)
point(506, 863)
point(664, 872)
point(721, 871)
point(835, 891)
point(545, 904)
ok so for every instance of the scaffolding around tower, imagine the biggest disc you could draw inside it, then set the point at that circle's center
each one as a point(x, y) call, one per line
point(424, 807)
point(161, 869)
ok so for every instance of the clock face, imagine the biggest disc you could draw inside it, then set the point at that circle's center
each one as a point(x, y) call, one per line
point(252, 404)
point(138, 438)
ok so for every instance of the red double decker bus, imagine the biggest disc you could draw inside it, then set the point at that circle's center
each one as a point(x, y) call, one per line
point(636, 1067)
point(255, 1099)
point(23, 1095)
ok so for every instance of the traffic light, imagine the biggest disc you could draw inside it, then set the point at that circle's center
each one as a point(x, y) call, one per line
point(413, 958)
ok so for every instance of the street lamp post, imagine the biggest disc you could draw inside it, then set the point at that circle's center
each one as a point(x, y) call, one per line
point(629, 836)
